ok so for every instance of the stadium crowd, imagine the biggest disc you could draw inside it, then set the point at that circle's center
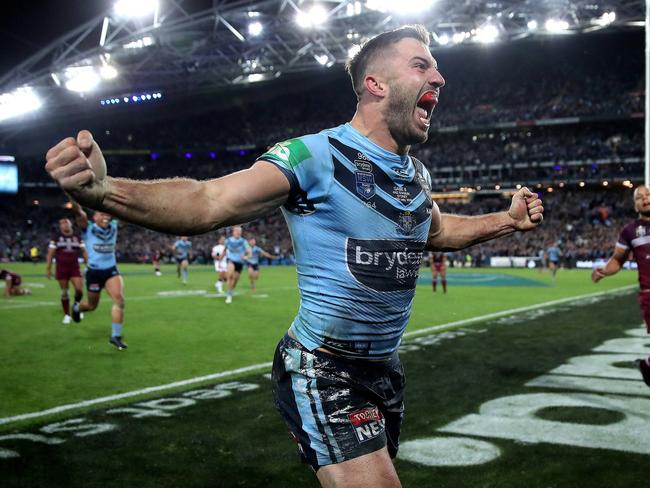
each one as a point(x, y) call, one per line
point(584, 222)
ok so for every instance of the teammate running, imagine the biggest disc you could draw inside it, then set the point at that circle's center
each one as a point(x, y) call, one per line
point(101, 272)
point(361, 216)
point(13, 282)
point(220, 263)
point(66, 247)
point(183, 255)
point(438, 263)
point(634, 240)
point(237, 251)
point(253, 261)
point(553, 254)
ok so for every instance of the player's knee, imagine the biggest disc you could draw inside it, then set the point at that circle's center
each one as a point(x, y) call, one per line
point(118, 303)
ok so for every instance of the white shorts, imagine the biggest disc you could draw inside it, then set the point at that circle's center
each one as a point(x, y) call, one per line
point(221, 266)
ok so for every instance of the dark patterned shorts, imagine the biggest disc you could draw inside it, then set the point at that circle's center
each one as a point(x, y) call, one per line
point(337, 408)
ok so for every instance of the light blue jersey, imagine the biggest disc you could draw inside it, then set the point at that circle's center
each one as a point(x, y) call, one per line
point(182, 249)
point(100, 244)
point(553, 254)
point(236, 248)
point(359, 218)
point(256, 252)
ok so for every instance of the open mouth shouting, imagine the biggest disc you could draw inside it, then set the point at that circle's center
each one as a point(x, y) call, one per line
point(424, 108)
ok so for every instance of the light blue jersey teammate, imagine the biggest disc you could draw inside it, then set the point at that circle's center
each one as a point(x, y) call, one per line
point(359, 218)
point(237, 251)
point(100, 244)
point(183, 255)
point(101, 240)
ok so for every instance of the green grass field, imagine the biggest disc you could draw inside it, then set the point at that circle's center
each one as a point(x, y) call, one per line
point(223, 431)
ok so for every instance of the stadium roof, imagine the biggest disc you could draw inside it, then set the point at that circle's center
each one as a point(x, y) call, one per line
point(185, 46)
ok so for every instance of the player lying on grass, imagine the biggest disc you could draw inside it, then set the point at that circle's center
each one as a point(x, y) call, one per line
point(361, 217)
point(13, 284)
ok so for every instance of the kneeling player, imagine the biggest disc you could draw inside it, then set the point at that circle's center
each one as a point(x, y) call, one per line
point(13, 283)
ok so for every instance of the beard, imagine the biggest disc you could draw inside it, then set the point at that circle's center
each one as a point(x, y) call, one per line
point(645, 213)
point(399, 117)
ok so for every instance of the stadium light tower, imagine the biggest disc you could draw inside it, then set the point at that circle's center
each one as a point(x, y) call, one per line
point(135, 8)
point(556, 26)
point(81, 79)
point(403, 7)
point(255, 28)
point(18, 102)
point(315, 17)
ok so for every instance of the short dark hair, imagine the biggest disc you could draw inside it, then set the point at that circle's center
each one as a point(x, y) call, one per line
point(357, 64)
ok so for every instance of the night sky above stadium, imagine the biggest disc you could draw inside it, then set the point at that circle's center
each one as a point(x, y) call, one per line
point(28, 26)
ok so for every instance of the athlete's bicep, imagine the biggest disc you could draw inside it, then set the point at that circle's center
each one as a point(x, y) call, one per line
point(246, 195)
point(435, 240)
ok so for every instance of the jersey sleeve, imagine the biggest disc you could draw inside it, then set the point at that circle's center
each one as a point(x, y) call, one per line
point(625, 239)
point(307, 164)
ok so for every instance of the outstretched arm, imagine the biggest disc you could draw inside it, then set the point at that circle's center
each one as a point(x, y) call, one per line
point(80, 217)
point(176, 206)
point(268, 255)
point(452, 232)
point(613, 266)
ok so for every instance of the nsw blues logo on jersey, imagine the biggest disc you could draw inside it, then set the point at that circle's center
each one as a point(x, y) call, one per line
point(365, 184)
point(406, 222)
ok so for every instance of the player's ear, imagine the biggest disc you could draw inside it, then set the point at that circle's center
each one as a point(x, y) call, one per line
point(374, 85)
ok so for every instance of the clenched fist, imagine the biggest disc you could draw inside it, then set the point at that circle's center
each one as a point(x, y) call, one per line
point(526, 210)
point(79, 168)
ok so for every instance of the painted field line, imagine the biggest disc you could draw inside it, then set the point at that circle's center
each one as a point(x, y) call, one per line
point(504, 313)
point(255, 367)
point(128, 394)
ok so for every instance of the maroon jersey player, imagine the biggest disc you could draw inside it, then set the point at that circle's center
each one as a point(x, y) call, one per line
point(635, 240)
point(13, 284)
point(438, 262)
point(66, 247)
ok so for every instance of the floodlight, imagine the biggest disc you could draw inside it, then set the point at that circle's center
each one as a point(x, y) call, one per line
point(532, 25)
point(316, 16)
point(255, 28)
point(443, 39)
point(252, 78)
point(486, 34)
point(18, 102)
point(605, 19)
point(354, 49)
point(459, 37)
point(135, 8)
point(108, 72)
point(81, 79)
point(322, 59)
point(556, 26)
point(139, 43)
point(404, 7)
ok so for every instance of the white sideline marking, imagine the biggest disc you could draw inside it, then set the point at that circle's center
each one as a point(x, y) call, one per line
point(495, 315)
point(128, 394)
point(254, 367)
